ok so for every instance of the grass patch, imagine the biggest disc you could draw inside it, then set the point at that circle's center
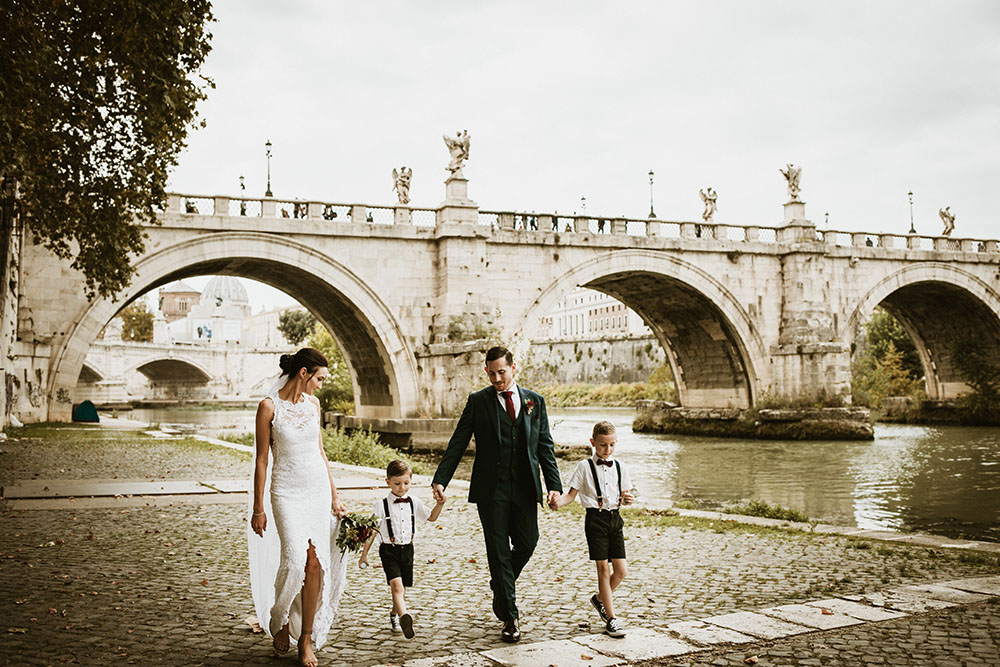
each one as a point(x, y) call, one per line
point(363, 448)
point(622, 394)
point(760, 508)
point(247, 439)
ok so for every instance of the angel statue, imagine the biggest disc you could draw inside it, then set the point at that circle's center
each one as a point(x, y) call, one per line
point(459, 149)
point(948, 218)
point(401, 183)
point(791, 174)
point(710, 207)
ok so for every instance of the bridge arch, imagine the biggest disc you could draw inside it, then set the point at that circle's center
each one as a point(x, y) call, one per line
point(383, 367)
point(171, 368)
point(937, 304)
point(89, 374)
point(716, 354)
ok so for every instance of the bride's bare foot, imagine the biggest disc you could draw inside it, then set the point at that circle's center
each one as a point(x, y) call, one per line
point(306, 656)
point(281, 641)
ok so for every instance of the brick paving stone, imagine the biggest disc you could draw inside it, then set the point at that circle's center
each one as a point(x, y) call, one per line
point(968, 635)
point(812, 617)
point(909, 601)
point(638, 644)
point(704, 633)
point(560, 652)
point(757, 625)
point(859, 611)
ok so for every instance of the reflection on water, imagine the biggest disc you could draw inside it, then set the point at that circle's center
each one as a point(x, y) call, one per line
point(943, 480)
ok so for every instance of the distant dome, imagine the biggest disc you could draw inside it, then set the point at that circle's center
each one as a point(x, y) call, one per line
point(227, 288)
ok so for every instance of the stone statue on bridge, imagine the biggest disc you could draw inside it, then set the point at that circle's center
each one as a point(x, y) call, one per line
point(710, 207)
point(459, 150)
point(948, 218)
point(401, 183)
point(792, 174)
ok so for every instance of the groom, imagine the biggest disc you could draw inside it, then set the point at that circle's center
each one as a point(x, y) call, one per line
point(512, 441)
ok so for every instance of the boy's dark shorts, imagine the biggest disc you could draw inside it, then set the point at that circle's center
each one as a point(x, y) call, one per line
point(397, 561)
point(605, 534)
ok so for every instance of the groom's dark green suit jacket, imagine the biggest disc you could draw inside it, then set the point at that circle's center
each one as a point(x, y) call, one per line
point(481, 418)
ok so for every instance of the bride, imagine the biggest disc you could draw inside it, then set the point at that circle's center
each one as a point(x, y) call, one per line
point(296, 570)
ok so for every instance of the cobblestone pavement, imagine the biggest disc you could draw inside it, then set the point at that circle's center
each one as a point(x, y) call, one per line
point(166, 582)
point(962, 636)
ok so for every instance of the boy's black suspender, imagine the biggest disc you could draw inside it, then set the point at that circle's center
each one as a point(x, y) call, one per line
point(597, 482)
point(413, 522)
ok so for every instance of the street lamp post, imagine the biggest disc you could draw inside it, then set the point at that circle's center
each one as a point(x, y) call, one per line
point(651, 214)
point(913, 230)
point(267, 146)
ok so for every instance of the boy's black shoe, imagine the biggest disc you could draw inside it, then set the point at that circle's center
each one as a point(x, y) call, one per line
point(510, 633)
point(394, 622)
point(614, 628)
point(406, 623)
point(599, 606)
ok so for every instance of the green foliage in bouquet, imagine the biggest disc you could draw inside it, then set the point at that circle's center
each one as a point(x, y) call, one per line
point(355, 530)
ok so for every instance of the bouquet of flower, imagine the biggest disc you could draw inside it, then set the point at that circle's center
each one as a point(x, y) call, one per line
point(355, 530)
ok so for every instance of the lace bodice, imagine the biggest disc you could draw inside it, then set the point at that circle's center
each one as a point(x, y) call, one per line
point(294, 439)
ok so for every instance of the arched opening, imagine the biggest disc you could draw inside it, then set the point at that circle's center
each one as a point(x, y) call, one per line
point(707, 338)
point(941, 309)
point(381, 365)
point(88, 375)
point(171, 379)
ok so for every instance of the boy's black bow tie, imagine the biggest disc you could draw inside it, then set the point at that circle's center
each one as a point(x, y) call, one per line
point(401, 500)
point(604, 462)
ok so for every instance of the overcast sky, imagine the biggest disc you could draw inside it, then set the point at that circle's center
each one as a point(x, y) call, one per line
point(582, 98)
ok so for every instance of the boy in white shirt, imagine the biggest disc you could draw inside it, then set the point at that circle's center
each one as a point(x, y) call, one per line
point(603, 485)
point(396, 532)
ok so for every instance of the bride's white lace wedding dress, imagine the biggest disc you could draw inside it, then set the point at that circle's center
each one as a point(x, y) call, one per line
point(297, 502)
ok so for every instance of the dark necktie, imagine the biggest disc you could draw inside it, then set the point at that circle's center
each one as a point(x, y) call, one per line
point(510, 404)
point(604, 462)
point(401, 500)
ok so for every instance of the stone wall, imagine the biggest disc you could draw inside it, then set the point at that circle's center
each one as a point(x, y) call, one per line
point(594, 360)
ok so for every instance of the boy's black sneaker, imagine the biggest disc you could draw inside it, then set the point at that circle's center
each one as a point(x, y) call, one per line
point(614, 628)
point(599, 606)
point(406, 623)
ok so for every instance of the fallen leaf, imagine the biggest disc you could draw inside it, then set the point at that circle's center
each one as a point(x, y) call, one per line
point(432, 560)
point(584, 656)
point(18, 631)
point(471, 560)
point(557, 579)
point(204, 582)
point(827, 612)
point(583, 625)
point(752, 660)
point(20, 601)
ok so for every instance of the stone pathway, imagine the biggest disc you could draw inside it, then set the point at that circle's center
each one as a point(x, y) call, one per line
point(161, 579)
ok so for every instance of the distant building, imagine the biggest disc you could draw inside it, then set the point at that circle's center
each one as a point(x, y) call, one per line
point(177, 300)
point(261, 330)
point(218, 315)
point(584, 313)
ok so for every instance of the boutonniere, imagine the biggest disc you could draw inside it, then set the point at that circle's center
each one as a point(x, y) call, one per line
point(529, 405)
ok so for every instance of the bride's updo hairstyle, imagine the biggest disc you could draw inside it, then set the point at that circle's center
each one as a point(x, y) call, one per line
point(308, 358)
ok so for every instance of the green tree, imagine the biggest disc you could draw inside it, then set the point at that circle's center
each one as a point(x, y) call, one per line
point(882, 330)
point(296, 325)
point(137, 322)
point(887, 377)
point(337, 393)
point(95, 103)
point(981, 372)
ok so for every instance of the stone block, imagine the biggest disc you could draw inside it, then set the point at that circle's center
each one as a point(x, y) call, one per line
point(985, 585)
point(562, 652)
point(945, 593)
point(758, 625)
point(704, 633)
point(821, 618)
point(856, 609)
point(457, 660)
point(907, 601)
point(638, 644)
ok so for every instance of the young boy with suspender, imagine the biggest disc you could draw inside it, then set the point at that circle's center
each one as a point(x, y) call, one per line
point(399, 513)
point(603, 485)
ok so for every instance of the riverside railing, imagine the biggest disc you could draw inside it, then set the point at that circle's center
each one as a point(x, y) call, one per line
point(533, 223)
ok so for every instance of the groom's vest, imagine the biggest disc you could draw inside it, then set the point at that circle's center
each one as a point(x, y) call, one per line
point(514, 464)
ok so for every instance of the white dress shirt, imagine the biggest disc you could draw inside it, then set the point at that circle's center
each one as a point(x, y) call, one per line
point(515, 397)
point(399, 514)
point(582, 480)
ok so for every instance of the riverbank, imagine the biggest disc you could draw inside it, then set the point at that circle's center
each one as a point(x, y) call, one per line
point(162, 580)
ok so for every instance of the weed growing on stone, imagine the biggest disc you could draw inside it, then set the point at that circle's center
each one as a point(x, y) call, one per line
point(760, 508)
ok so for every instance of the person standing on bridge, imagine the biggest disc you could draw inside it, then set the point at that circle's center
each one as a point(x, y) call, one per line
point(512, 441)
point(296, 571)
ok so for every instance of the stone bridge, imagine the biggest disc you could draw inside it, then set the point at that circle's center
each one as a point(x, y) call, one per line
point(743, 311)
point(117, 371)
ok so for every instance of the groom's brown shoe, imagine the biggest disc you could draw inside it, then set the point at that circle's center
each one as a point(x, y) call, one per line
point(511, 633)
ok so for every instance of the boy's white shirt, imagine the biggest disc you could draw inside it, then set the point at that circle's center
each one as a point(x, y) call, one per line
point(583, 481)
point(399, 514)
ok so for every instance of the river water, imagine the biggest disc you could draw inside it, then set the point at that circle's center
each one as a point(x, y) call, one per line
point(937, 479)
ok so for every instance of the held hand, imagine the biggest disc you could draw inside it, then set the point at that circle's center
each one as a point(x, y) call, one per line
point(628, 498)
point(338, 508)
point(554, 500)
point(363, 561)
point(439, 496)
point(258, 522)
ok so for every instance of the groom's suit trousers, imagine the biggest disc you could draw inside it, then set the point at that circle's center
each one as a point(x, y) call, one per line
point(510, 530)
